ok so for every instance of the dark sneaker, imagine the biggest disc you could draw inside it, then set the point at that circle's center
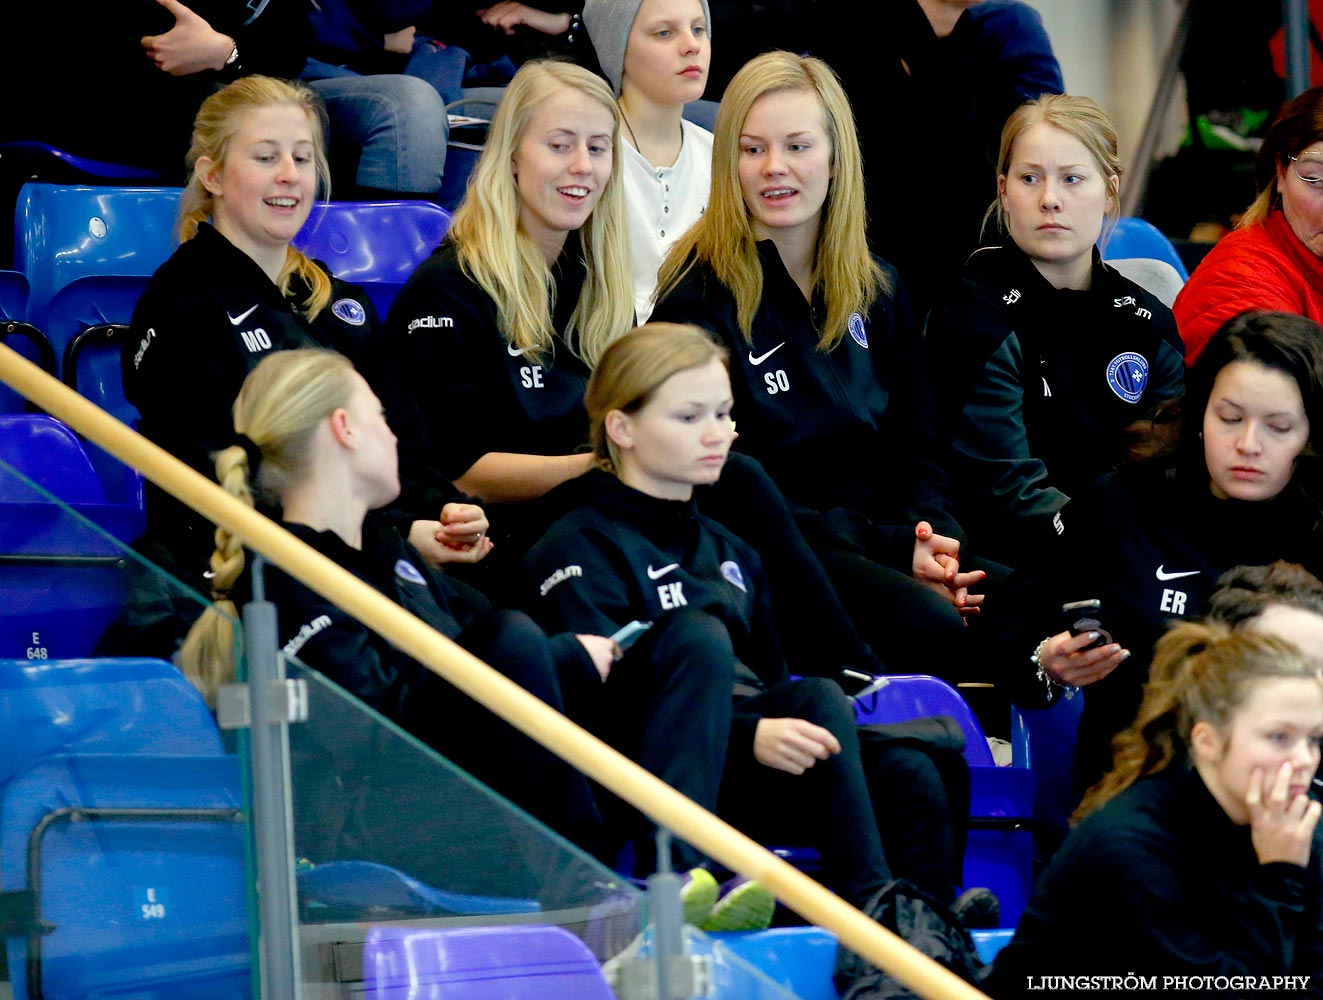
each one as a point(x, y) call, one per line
point(744, 905)
point(978, 909)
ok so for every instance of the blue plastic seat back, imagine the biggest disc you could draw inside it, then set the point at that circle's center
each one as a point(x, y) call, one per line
point(1135, 237)
point(913, 696)
point(144, 904)
point(41, 159)
point(803, 958)
point(49, 453)
point(66, 232)
point(101, 706)
point(60, 610)
point(358, 890)
point(62, 582)
point(480, 963)
point(1052, 734)
point(14, 293)
point(19, 335)
point(998, 850)
point(96, 300)
point(89, 322)
point(376, 244)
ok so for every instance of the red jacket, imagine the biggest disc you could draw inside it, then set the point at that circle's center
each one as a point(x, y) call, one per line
point(1261, 267)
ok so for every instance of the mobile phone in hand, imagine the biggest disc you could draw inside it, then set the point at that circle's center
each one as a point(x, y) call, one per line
point(629, 634)
point(1087, 616)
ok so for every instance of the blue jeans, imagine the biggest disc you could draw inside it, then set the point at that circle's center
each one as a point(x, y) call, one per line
point(396, 122)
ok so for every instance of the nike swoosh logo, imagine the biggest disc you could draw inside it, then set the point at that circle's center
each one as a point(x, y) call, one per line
point(657, 574)
point(514, 352)
point(236, 320)
point(1176, 576)
point(763, 357)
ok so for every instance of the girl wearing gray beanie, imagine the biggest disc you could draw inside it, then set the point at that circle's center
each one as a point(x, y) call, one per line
point(656, 54)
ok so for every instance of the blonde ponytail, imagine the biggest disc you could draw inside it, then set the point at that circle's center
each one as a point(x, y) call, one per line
point(1201, 672)
point(279, 408)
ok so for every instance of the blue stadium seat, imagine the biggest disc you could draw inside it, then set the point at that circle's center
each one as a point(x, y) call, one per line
point(347, 890)
point(913, 696)
point(802, 958)
point(14, 293)
point(21, 336)
point(133, 868)
point(1051, 737)
point(62, 581)
point(88, 253)
point(799, 958)
point(1000, 849)
point(41, 159)
point(374, 244)
point(480, 963)
point(1135, 237)
point(66, 233)
point(92, 367)
point(116, 804)
point(98, 300)
point(88, 320)
point(99, 706)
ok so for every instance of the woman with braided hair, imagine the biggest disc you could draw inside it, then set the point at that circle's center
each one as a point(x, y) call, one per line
point(1198, 854)
point(312, 435)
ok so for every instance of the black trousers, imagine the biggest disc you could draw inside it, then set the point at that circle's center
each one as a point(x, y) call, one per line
point(665, 705)
point(813, 624)
point(491, 749)
point(877, 809)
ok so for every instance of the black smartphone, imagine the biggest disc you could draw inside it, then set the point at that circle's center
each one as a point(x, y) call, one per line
point(1087, 616)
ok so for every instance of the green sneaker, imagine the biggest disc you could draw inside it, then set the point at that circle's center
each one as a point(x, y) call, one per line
point(744, 905)
point(697, 895)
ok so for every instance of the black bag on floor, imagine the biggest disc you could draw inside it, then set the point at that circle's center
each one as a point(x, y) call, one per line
point(924, 923)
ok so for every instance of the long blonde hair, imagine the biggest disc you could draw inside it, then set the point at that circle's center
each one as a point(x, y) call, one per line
point(843, 269)
point(632, 369)
point(282, 403)
point(496, 253)
point(214, 129)
point(1201, 672)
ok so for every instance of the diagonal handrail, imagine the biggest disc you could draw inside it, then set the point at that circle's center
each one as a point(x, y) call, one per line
point(522, 710)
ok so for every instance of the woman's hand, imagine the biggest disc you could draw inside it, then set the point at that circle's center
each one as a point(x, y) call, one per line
point(1066, 661)
point(792, 745)
point(400, 41)
point(190, 46)
point(430, 538)
point(936, 565)
point(603, 651)
point(462, 525)
point(1281, 826)
point(509, 15)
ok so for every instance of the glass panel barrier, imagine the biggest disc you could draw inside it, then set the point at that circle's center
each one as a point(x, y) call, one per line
point(392, 836)
point(123, 836)
point(397, 846)
point(140, 878)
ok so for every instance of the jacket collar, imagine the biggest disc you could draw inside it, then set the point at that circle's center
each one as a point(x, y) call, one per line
point(1281, 233)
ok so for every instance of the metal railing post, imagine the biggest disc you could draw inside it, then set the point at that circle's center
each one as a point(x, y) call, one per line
point(1295, 24)
point(271, 699)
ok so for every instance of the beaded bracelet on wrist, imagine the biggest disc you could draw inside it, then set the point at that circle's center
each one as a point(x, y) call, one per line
point(1054, 686)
